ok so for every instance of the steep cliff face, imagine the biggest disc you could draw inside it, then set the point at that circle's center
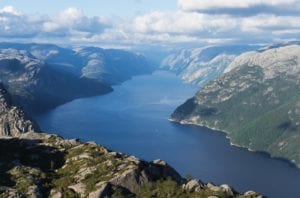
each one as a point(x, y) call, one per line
point(13, 120)
point(256, 102)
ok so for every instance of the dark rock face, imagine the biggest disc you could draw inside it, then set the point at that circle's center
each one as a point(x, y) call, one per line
point(13, 120)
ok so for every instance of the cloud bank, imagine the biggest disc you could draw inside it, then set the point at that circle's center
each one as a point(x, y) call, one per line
point(195, 22)
point(242, 7)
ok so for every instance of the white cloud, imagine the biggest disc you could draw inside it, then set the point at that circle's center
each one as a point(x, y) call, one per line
point(67, 24)
point(10, 10)
point(269, 23)
point(241, 7)
point(73, 19)
point(14, 24)
point(179, 22)
point(215, 4)
point(155, 28)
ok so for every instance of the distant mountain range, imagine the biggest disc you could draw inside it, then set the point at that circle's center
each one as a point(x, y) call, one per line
point(256, 101)
point(42, 76)
point(201, 65)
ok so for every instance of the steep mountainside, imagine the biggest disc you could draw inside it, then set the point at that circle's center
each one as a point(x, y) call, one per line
point(201, 65)
point(256, 102)
point(38, 86)
point(13, 120)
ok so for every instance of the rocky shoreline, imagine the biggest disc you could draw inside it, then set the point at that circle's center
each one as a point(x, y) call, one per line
point(184, 122)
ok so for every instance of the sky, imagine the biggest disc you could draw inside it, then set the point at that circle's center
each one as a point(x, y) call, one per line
point(144, 23)
point(92, 7)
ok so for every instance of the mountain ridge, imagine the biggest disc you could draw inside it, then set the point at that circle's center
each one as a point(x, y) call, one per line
point(201, 65)
point(43, 76)
point(256, 102)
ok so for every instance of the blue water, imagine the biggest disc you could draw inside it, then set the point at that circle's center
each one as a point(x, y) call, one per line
point(133, 119)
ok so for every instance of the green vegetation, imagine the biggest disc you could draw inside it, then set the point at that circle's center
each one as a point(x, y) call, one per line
point(47, 165)
point(257, 113)
point(169, 188)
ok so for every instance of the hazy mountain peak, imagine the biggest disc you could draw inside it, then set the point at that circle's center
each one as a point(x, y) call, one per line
point(274, 61)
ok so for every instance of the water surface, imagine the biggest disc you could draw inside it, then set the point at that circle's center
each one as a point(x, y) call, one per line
point(133, 119)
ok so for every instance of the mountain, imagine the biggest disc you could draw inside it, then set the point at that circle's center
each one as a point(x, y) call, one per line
point(109, 66)
point(42, 76)
point(43, 165)
point(13, 120)
point(38, 86)
point(201, 65)
point(112, 66)
point(256, 102)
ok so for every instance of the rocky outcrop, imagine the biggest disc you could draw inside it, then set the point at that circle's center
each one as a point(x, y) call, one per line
point(13, 120)
point(43, 165)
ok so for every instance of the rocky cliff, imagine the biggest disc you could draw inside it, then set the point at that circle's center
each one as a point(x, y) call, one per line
point(13, 120)
point(256, 102)
point(42, 165)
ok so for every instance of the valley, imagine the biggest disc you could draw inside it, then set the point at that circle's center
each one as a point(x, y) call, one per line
point(150, 99)
point(138, 124)
point(131, 113)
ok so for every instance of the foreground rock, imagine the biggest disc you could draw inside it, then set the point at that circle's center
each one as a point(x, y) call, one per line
point(42, 165)
point(12, 119)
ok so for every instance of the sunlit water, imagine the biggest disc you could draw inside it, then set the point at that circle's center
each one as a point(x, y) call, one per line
point(133, 119)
